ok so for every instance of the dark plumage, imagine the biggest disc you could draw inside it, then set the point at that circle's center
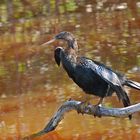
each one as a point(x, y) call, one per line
point(92, 76)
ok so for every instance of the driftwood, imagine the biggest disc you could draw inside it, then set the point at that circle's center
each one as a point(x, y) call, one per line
point(84, 109)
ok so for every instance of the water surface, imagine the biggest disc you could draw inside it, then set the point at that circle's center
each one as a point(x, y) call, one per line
point(32, 87)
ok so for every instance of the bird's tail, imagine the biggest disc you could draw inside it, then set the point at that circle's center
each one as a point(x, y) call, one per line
point(133, 84)
point(124, 97)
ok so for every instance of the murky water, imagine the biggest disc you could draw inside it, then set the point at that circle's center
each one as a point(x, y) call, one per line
point(32, 87)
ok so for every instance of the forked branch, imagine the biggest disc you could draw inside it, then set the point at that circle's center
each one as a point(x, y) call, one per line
point(84, 109)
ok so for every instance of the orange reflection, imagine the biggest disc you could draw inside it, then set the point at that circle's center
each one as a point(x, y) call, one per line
point(32, 87)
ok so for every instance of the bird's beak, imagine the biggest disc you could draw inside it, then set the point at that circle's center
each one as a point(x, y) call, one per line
point(47, 43)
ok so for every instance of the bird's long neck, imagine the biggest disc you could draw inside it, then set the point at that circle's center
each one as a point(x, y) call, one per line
point(72, 44)
point(69, 57)
point(72, 50)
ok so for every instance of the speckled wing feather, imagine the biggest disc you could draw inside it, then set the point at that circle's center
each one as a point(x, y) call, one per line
point(107, 75)
point(104, 72)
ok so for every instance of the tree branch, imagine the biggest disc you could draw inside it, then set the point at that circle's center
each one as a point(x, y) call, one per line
point(84, 109)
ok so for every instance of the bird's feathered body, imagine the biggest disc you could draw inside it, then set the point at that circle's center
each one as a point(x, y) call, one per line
point(93, 77)
point(83, 75)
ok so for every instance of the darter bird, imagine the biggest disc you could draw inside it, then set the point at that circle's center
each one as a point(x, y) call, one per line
point(93, 77)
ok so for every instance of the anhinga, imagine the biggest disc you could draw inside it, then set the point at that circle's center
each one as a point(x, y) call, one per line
point(93, 77)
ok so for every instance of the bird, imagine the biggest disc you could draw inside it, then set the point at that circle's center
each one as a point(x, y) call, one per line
point(95, 78)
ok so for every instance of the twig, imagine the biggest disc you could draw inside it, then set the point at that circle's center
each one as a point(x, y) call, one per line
point(84, 109)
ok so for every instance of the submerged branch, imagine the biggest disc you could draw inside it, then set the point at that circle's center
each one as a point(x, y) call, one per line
point(84, 109)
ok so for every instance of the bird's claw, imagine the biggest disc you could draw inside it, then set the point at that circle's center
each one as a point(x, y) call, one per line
point(96, 111)
point(82, 107)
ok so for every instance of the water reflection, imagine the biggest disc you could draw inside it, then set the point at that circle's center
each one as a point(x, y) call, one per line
point(32, 86)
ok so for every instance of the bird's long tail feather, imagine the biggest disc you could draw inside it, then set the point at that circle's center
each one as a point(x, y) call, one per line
point(124, 97)
point(133, 84)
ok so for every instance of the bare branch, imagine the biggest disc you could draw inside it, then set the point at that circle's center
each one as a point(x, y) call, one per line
point(84, 109)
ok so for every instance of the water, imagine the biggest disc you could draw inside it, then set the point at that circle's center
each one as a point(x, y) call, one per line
point(32, 87)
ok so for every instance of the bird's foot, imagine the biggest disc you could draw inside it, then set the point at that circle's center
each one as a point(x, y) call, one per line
point(83, 105)
point(96, 110)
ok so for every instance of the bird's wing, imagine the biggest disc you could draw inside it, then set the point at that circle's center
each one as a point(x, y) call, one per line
point(103, 71)
point(108, 75)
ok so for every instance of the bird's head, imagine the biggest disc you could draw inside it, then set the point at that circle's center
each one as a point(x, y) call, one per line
point(66, 36)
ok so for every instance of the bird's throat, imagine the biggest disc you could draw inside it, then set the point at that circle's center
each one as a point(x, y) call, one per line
point(73, 44)
point(71, 54)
